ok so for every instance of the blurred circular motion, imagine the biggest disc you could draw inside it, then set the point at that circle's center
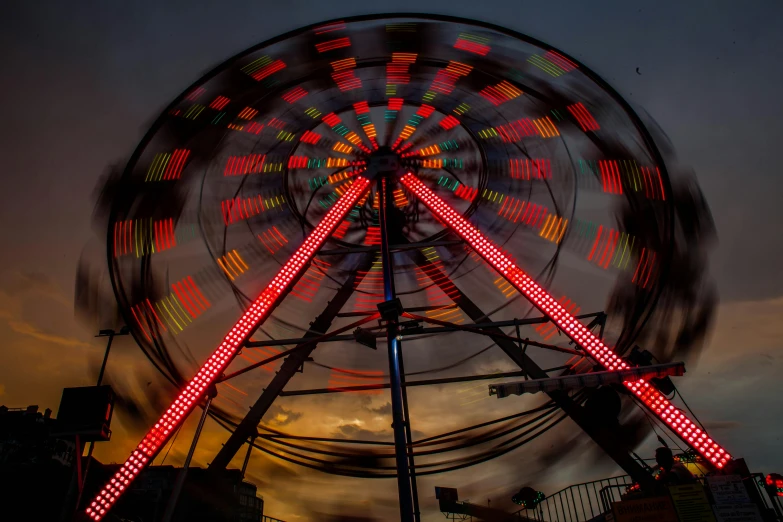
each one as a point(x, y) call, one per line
point(526, 142)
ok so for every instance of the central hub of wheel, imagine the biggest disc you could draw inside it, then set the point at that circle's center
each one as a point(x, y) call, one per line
point(383, 162)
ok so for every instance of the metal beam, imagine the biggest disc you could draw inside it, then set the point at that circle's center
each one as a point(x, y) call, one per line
point(400, 421)
point(408, 384)
point(429, 330)
point(392, 248)
point(249, 425)
point(606, 439)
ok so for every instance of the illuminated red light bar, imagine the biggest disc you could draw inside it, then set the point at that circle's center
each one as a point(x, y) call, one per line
point(645, 268)
point(337, 43)
point(237, 209)
point(518, 211)
point(272, 239)
point(583, 116)
point(408, 58)
point(254, 127)
point(176, 164)
point(310, 137)
point(267, 70)
point(425, 111)
point(653, 189)
point(195, 94)
point(247, 113)
point(336, 26)
point(164, 234)
point(395, 104)
point(361, 107)
point(500, 93)
point(241, 165)
point(220, 359)
point(610, 177)
point(332, 119)
point(276, 124)
point(528, 169)
point(449, 122)
point(345, 63)
point(191, 297)
point(575, 330)
point(295, 94)
point(397, 73)
point(560, 60)
point(446, 78)
point(472, 47)
point(298, 162)
point(123, 237)
point(219, 102)
point(148, 320)
point(347, 80)
point(466, 192)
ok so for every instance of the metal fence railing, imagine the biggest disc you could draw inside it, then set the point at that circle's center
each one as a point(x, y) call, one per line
point(270, 519)
point(580, 502)
point(584, 502)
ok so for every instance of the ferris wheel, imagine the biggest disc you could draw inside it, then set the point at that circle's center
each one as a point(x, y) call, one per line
point(405, 178)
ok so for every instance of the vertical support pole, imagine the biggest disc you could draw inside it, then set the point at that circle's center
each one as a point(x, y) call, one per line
point(398, 419)
point(83, 477)
point(172, 504)
point(409, 440)
point(79, 450)
point(105, 357)
point(247, 455)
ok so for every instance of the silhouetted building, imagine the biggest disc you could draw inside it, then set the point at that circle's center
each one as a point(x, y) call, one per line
point(37, 471)
point(32, 461)
point(207, 496)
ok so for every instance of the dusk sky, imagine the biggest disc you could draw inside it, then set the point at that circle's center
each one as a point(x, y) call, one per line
point(82, 81)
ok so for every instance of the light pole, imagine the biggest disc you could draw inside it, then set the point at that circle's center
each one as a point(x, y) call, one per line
point(82, 478)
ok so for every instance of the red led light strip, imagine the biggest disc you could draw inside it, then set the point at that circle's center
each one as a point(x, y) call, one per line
point(219, 102)
point(560, 60)
point(220, 359)
point(472, 47)
point(241, 165)
point(295, 94)
point(575, 330)
point(336, 26)
point(500, 93)
point(267, 70)
point(310, 137)
point(449, 122)
point(528, 169)
point(610, 177)
point(446, 78)
point(583, 116)
point(337, 43)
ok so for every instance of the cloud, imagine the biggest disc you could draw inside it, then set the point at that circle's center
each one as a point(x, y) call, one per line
point(279, 416)
point(385, 409)
point(17, 290)
point(28, 329)
point(355, 431)
point(28, 283)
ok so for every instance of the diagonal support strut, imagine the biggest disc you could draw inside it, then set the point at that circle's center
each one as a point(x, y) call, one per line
point(248, 426)
point(646, 392)
point(253, 317)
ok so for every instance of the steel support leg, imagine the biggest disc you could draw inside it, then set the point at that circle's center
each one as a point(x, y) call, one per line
point(399, 420)
point(606, 439)
point(249, 425)
point(172, 504)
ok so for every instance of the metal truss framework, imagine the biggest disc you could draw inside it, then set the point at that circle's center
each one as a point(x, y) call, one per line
point(213, 369)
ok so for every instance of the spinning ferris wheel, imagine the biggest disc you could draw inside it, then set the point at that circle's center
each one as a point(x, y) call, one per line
point(401, 178)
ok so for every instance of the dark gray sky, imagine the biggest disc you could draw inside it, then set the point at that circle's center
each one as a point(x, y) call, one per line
point(81, 80)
